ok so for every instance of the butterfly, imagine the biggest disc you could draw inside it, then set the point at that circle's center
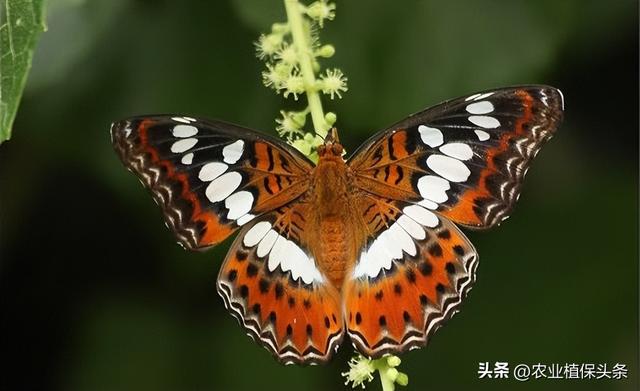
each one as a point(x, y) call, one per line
point(367, 247)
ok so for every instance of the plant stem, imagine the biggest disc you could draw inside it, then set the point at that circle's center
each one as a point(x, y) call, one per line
point(387, 384)
point(301, 43)
point(382, 367)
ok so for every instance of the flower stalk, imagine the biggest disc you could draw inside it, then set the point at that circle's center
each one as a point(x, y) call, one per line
point(304, 52)
point(291, 52)
point(361, 369)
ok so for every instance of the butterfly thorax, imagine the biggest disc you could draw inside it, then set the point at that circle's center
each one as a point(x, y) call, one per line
point(329, 182)
point(334, 243)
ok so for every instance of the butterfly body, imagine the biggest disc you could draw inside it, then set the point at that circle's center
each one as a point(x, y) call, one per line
point(366, 247)
point(338, 232)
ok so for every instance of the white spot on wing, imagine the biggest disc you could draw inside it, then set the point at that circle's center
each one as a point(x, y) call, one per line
point(402, 239)
point(183, 145)
point(187, 158)
point(278, 253)
point(472, 97)
point(483, 107)
point(299, 264)
point(180, 119)
point(223, 186)
point(482, 135)
point(421, 215)
point(245, 219)
point(431, 136)
point(211, 171)
point(433, 188)
point(238, 204)
point(482, 96)
point(448, 168)
point(383, 251)
point(414, 229)
point(392, 243)
point(457, 150)
point(267, 243)
point(428, 204)
point(183, 131)
point(543, 98)
point(233, 152)
point(484, 121)
point(282, 253)
point(256, 233)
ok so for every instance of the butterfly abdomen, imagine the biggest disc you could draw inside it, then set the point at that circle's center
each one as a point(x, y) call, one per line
point(335, 253)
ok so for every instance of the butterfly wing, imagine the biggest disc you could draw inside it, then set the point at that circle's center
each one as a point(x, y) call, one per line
point(412, 273)
point(469, 155)
point(462, 161)
point(272, 285)
point(209, 177)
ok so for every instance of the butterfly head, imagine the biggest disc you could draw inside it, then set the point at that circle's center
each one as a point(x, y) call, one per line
point(331, 146)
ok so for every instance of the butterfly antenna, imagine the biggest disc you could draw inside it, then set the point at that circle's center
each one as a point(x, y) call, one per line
point(332, 137)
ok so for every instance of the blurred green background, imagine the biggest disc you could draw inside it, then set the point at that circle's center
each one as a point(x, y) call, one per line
point(96, 295)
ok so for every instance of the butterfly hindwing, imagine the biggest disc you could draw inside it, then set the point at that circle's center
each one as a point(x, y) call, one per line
point(272, 285)
point(411, 275)
point(469, 155)
point(209, 177)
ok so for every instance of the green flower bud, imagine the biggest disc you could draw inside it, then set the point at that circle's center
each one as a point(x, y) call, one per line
point(402, 379)
point(309, 137)
point(393, 361)
point(302, 146)
point(321, 10)
point(326, 51)
point(330, 118)
point(280, 28)
point(392, 374)
point(288, 55)
point(267, 45)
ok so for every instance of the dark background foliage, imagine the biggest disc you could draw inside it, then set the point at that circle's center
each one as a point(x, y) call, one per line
point(96, 295)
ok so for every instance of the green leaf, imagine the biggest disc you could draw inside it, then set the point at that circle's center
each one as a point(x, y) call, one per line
point(21, 22)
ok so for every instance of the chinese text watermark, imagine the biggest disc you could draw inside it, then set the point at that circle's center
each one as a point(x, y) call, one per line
point(525, 372)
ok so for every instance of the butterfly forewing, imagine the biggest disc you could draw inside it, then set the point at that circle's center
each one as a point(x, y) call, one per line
point(209, 177)
point(469, 155)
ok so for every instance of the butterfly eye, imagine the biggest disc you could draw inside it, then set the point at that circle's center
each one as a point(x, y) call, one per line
point(321, 150)
point(336, 149)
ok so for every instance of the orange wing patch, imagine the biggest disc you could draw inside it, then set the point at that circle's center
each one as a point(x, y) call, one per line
point(472, 203)
point(271, 284)
point(468, 155)
point(386, 169)
point(404, 304)
point(296, 323)
point(275, 177)
point(170, 188)
point(209, 178)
